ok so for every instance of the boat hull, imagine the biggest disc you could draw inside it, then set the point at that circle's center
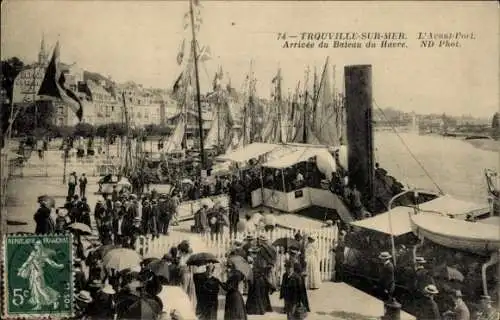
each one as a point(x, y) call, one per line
point(473, 237)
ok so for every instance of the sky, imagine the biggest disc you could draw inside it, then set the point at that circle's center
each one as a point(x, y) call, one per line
point(139, 41)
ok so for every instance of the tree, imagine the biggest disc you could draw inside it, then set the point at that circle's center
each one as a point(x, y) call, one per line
point(495, 126)
point(10, 69)
point(85, 130)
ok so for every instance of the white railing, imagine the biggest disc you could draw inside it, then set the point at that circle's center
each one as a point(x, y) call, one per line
point(219, 246)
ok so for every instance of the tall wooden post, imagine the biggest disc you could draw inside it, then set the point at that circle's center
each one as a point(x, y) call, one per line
point(358, 89)
point(198, 97)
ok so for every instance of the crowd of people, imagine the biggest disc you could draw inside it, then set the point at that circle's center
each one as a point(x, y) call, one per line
point(121, 217)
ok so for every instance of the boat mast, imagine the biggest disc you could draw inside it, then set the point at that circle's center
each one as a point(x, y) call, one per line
point(198, 97)
point(306, 96)
point(278, 99)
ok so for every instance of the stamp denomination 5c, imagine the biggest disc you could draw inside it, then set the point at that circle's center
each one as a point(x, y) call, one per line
point(38, 276)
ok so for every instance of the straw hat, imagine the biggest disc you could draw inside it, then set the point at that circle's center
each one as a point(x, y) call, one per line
point(249, 238)
point(108, 289)
point(420, 260)
point(329, 222)
point(311, 239)
point(384, 255)
point(135, 284)
point(118, 204)
point(431, 289)
point(253, 250)
point(96, 283)
point(237, 243)
point(262, 237)
point(62, 212)
point(84, 296)
point(458, 294)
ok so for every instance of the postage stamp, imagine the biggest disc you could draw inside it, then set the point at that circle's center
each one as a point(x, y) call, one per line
point(38, 276)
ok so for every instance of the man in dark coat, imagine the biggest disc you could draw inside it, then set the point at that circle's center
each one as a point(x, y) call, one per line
point(114, 194)
point(99, 212)
point(72, 180)
point(83, 185)
point(295, 295)
point(427, 307)
point(44, 224)
point(121, 228)
point(339, 257)
point(387, 281)
point(84, 210)
point(234, 217)
point(166, 212)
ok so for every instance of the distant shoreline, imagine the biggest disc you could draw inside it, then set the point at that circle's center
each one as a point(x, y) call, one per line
point(485, 144)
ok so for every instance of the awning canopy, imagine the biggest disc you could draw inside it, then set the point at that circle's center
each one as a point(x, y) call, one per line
point(294, 157)
point(399, 218)
point(451, 206)
point(248, 152)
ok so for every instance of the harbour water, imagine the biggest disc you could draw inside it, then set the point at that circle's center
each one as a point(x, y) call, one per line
point(456, 166)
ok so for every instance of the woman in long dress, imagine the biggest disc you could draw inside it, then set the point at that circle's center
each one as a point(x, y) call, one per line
point(186, 272)
point(32, 269)
point(258, 301)
point(234, 308)
point(313, 278)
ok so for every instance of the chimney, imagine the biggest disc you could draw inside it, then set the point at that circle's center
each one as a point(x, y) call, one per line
point(358, 89)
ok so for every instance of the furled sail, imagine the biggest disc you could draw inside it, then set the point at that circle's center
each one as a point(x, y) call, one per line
point(174, 142)
point(326, 122)
point(212, 137)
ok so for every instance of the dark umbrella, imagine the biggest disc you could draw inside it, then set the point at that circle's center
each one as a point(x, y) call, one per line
point(160, 268)
point(286, 243)
point(268, 252)
point(202, 258)
point(135, 307)
point(146, 262)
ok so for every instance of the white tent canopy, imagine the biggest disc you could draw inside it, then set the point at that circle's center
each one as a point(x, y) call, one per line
point(248, 152)
point(399, 217)
point(451, 206)
point(297, 156)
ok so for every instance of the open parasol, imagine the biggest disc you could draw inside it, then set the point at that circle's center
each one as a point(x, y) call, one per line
point(199, 259)
point(121, 258)
point(240, 264)
point(104, 249)
point(80, 227)
point(453, 274)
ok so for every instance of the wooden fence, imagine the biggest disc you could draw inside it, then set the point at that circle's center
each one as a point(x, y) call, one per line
point(219, 246)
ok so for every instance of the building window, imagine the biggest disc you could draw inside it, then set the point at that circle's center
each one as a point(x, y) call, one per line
point(112, 108)
point(60, 110)
point(60, 122)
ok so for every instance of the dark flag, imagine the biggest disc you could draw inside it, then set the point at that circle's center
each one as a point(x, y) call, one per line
point(177, 83)
point(53, 85)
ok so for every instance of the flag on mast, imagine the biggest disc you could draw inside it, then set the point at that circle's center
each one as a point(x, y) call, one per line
point(53, 85)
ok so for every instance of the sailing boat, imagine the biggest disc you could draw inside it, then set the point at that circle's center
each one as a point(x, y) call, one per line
point(273, 131)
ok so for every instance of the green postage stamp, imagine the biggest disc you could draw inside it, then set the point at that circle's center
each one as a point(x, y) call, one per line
point(38, 276)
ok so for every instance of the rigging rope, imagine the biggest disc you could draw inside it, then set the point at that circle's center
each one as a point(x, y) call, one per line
point(408, 149)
